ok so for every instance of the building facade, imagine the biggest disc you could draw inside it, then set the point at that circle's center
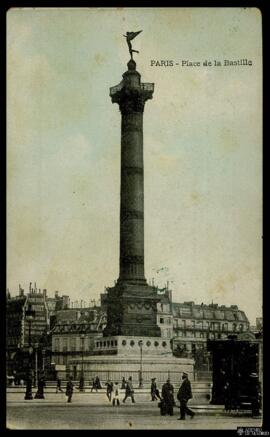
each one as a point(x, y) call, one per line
point(73, 338)
point(29, 339)
point(70, 333)
point(24, 335)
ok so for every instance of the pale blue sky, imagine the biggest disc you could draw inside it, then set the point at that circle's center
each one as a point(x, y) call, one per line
point(202, 151)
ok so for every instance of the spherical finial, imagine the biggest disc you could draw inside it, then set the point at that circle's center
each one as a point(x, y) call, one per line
point(131, 65)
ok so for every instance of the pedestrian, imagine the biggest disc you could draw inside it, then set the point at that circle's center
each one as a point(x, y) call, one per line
point(93, 385)
point(81, 384)
point(109, 385)
point(154, 390)
point(255, 394)
point(183, 395)
point(69, 389)
point(115, 394)
point(129, 391)
point(98, 384)
point(123, 386)
point(28, 392)
point(40, 391)
point(227, 395)
point(58, 385)
point(168, 397)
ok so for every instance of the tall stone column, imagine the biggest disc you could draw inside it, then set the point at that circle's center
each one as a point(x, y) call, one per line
point(132, 303)
point(131, 96)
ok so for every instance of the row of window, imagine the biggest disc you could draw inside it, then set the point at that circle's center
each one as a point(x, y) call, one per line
point(108, 343)
point(214, 326)
point(72, 344)
point(113, 343)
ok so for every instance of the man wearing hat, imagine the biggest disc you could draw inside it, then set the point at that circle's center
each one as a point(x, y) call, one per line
point(154, 390)
point(255, 394)
point(183, 395)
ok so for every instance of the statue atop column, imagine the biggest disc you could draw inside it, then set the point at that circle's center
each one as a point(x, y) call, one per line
point(129, 36)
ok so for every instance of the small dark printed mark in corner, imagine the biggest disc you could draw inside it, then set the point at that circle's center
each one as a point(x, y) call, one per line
point(130, 424)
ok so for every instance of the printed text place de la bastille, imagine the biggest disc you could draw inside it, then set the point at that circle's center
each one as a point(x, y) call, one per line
point(204, 63)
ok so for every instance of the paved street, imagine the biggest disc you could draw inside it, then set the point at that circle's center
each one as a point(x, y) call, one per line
point(41, 414)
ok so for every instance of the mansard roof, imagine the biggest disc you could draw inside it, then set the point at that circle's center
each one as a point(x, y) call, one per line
point(211, 311)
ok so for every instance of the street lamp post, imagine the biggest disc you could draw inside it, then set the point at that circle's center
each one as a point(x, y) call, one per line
point(36, 365)
point(43, 359)
point(29, 317)
point(140, 372)
point(81, 385)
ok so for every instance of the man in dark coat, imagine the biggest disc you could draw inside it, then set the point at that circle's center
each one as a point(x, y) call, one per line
point(28, 394)
point(40, 391)
point(123, 386)
point(168, 397)
point(129, 391)
point(255, 394)
point(97, 382)
point(58, 386)
point(183, 395)
point(109, 390)
point(69, 389)
point(154, 390)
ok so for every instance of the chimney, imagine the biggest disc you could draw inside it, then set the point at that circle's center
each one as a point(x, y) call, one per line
point(39, 290)
point(44, 292)
point(30, 287)
point(56, 294)
point(35, 287)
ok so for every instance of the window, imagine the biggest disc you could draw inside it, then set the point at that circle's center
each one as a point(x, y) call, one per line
point(82, 347)
point(161, 320)
point(65, 345)
point(225, 327)
point(72, 344)
point(56, 345)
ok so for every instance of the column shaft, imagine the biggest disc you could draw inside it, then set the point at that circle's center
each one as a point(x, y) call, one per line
point(132, 198)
